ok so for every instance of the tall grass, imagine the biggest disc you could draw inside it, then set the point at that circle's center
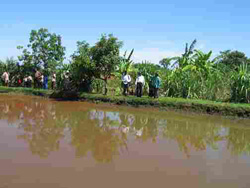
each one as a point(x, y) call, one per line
point(240, 85)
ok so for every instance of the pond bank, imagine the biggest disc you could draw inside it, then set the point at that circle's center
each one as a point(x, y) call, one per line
point(164, 103)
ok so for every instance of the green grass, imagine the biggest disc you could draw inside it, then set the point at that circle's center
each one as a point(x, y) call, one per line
point(26, 91)
point(165, 103)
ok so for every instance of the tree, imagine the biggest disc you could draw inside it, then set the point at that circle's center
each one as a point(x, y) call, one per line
point(105, 57)
point(233, 59)
point(166, 62)
point(82, 67)
point(2, 67)
point(147, 69)
point(44, 49)
point(12, 67)
point(27, 64)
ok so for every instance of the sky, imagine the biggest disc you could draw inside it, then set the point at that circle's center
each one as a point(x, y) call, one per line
point(155, 29)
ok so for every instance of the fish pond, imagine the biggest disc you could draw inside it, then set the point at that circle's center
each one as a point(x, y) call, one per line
point(66, 144)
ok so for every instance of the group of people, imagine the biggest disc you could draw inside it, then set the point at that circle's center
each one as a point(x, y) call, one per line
point(154, 84)
point(40, 80)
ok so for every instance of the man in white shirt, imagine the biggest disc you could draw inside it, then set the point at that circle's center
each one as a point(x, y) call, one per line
point(139, 83)
point(25, 80)
point(53, 83)
point(29, 81)
point(5, 78)
point(41, 81)
point(126, 79)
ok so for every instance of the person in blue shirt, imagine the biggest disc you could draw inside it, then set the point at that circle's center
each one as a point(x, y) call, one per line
point(156, 85)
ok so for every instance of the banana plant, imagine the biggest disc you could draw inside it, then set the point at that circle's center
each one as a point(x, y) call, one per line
point(185, 58)
point(125, 64)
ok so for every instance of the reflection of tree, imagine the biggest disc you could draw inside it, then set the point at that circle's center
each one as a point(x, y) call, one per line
point(104, 133)
point(100, 134)
point(106, 144)
point(238, 140)
point(36, 119)
point(42, 139)
point(146, 128)
point(103, 142)
point(10, 111)
point(41, 131)
point(193, 135)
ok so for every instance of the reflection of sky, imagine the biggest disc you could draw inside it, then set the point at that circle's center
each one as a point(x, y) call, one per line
point(214, 154)
point(224, 131)
point(113, 116)
point(162, 122)
point(245, 158)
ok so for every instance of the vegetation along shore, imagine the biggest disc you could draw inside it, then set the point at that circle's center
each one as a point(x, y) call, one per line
point(195, 81)
point(164, 103)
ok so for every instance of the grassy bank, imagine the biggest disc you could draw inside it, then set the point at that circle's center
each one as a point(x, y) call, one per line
point(26, 91)
point(201, 106)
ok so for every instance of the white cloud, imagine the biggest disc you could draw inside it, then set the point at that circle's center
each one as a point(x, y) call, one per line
point(153, 55)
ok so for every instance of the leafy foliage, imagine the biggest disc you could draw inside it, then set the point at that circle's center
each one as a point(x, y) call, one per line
point(233, 59)
point(240, 84)
point(105, 56)
point(194, 74)
point(82, 66)
point(44, 49)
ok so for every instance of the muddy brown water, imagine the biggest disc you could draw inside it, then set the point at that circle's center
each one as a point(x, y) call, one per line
point(46, 143)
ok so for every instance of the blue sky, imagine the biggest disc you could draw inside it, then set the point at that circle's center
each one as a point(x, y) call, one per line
point(156, 29)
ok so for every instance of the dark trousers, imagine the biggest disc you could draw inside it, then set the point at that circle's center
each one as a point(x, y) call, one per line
point(125, 89)
point(53, 85)
point(4, 83)
point(26, 84)
point(151, 92)
point(37, 83)
point(156, 92)
point(139, 89)
point(29, 84)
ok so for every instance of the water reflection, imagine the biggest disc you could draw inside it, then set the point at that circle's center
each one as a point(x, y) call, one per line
point(103, 142)
point(105, 134)
point(193, 135)
point(239, 141)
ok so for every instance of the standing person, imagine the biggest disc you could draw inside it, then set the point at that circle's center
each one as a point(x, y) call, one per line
point(19, 81)
point(29, 81)
point(41, 82)
point(151, 88)
point(156, 85)
point(140, 82)
point(37, 78)
point(53, 81)
point(126, 79)
point(5, 78)
point(25, 80)
point(66, 80)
